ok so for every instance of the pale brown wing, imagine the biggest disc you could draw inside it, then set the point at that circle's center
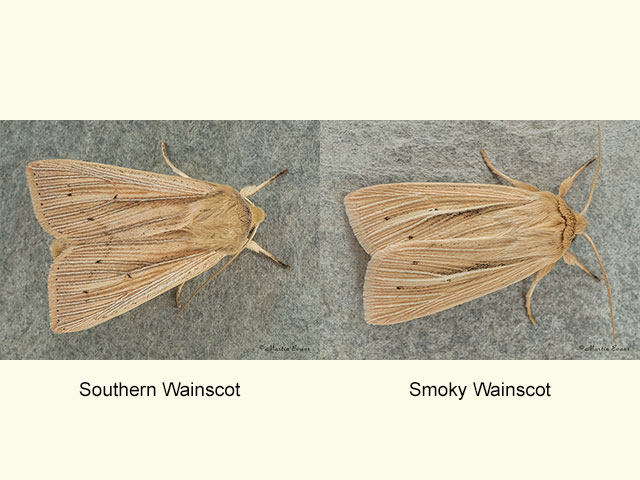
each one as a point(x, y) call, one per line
point(382, 215)
point(89, 284)
point(415, 278)
point(83, 202)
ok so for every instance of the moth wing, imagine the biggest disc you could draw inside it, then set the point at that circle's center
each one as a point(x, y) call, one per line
point(412, 279)
point(382, 215)
point(89, 284)
point(85, 202)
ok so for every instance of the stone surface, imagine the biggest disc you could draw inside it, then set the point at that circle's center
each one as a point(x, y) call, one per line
point(256, 310)
point(571, 308)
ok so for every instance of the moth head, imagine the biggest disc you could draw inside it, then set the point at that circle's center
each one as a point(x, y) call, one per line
point(257, 215)
point(581, 223)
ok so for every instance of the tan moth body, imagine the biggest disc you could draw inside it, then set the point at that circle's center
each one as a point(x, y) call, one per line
point(437, 245)
point(125, 236)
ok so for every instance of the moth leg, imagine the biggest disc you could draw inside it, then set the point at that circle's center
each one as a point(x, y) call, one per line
point(567, 183)
point(515, 183)
point(178, 292)
point(175, 169)
point(57, 247)
point(251, 189)
point(571, 259)
point(539, 275)
point(254, 247)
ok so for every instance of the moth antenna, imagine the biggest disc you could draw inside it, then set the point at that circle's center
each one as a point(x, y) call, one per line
point(251, 189)
point(606, 281)
point(595, 177)
point(175, 169)
point(567, 183)
point(220, 270)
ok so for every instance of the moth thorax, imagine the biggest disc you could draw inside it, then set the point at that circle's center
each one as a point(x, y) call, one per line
point(220, 222)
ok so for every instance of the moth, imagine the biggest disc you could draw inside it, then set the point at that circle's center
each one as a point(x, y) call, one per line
point(124, 236)
point(437, 245)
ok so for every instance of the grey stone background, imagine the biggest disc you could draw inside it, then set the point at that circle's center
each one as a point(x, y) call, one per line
point(253, 303)
point(571, 308)
point(256, 310)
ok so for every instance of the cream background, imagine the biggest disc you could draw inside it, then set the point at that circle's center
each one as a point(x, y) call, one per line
point(325, 60)
point(321, 419)
point(334, 59)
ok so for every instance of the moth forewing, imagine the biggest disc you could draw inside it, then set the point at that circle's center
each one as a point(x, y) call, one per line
point(124, 236)
point(92, 283)
point(383, 215)
point(438, 245)
point(417, 277)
